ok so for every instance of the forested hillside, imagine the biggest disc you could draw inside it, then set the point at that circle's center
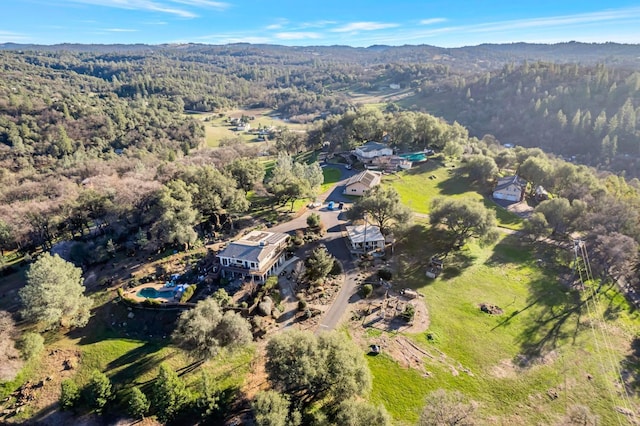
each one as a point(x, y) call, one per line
point(588, 113)
point(108, 156)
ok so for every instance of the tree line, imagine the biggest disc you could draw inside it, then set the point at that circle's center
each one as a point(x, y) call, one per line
point(588, 113)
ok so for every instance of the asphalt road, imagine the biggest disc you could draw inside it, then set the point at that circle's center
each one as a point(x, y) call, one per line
point(336, 245)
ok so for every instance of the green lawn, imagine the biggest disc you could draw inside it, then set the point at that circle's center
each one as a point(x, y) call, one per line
point(419, 185)
point(540, 317)
point(331, 176)
point(131, 361)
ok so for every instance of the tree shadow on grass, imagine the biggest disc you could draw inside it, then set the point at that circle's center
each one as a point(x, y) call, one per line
point(556, 317)
point(510, 249)
point(456, 262)
point(557, 320)
point(553, 310)
point(616, 303)
point(420, 244)
point(454, 185)
point(112, 321)
point(429, 166)
point(630, 367)
point(136, 363)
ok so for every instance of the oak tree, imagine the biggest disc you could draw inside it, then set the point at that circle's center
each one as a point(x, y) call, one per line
point(205, 329)
point(464, 218)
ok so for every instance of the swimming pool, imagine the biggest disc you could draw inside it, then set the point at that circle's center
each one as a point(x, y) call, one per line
point(152, 293)
point(414, 156)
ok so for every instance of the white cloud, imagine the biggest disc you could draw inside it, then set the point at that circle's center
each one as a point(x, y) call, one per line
point(295, 35)
point(432, 21)
point(587, 27)
point(12, 37)
point(148, 5)
point(278, 24)
point(554, 21)
point(363, 26)
point(316, 24)
point(204, 3)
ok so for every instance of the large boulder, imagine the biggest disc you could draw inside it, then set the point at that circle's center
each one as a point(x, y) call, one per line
point(266, 306)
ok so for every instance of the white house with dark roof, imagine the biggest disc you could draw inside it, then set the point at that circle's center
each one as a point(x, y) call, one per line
point(365, 238)
point(362, 182)
point(256, 255)
point(510, 188)
point(369, 151)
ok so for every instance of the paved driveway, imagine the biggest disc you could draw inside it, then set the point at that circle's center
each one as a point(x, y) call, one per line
point(335, 194)
point(336, 245)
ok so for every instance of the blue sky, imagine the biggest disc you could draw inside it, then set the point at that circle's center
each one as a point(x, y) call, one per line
point(443, 23)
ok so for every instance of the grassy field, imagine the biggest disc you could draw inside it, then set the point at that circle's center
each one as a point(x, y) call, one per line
point(524, 366)
point(419, 185)
point(129, 351)
point(216, 127)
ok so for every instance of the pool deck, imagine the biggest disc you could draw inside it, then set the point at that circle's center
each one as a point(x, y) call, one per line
point(133, 293)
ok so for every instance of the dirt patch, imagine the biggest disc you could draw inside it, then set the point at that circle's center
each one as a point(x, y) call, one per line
point(42, 393)
point(511, 368)
point(490, 309)
point(505, 369)
point(410, 355)
point(384, 312)
point(257, 378)
point(521, 209)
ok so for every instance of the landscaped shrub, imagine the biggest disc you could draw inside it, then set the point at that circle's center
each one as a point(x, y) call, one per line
point(336, 269)
point(271, 283)
point(222, 297)
point(152, 302)
point(385, 274)
point(302, 305)
point(313, 220)
point(366, 290)
point(131, 301)
point(187, 294)
point(409, 313)
point(69, 394)
point(30, 345)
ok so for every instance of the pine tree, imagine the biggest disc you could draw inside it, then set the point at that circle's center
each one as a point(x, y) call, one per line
point(169, 394)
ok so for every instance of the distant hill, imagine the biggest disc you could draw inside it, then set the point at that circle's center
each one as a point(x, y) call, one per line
point(470, 58)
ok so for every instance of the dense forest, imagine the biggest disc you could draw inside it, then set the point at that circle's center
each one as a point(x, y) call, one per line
point(77, 120)
point(588, 113)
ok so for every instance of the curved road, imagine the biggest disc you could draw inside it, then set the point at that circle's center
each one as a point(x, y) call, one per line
point(336, 245)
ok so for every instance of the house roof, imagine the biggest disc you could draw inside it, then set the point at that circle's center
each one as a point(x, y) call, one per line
point(255, 246)
point(357, 233)
point(367, 178)
point(507, 181)
point(372, 146)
